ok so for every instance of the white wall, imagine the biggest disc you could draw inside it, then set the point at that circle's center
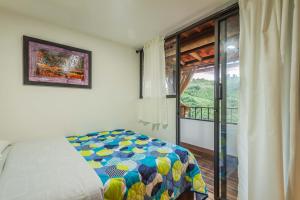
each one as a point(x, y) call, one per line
point(168, 134)
point(34, 111)
point(198, 133)
point(201, 133)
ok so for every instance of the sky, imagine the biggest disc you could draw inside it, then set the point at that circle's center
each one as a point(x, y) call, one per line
point(233, 69)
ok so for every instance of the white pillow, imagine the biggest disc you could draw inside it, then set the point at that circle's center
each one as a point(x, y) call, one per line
point(4, 149)
point(3, 157)
point(3, 145)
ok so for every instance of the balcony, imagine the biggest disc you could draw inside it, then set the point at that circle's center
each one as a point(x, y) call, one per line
point(204, 113)
point(197, 134)
point(197, 127)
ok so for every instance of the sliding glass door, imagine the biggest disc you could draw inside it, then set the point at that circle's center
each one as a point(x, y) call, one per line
point(206, 56)
point(226, 105)
point(203, 61)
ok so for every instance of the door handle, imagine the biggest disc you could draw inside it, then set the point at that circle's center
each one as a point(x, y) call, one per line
point(219, 91)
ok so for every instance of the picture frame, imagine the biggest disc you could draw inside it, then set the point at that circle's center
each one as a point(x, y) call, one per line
point(51, 64)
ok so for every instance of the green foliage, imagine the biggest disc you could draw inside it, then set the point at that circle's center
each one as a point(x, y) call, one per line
point(200, 93)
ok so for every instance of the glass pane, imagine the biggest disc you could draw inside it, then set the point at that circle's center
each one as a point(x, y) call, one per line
point(170, 51)
point(197, 60)
point(230, 79)
point(232, 101)
point(197, 100)
point(222, 143)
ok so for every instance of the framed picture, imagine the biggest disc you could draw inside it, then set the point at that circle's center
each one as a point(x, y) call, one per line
point(51, 64)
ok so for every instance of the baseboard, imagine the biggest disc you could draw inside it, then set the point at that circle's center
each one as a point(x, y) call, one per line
point(197, 150)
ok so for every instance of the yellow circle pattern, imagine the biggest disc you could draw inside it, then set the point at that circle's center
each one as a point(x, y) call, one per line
point(123, 167)
point(114, 189)
point(105, 152)
point(85, 138)
point(125, 143)
point(137, 191)
point(138, 150)
point(198, 183)
point(95, 164)
point(165, 195)
point(141, 142)
point(164, 150)
point(86, 152)
point(72, 138)
point(177, 170)
point(104, 133)
point(163, 165)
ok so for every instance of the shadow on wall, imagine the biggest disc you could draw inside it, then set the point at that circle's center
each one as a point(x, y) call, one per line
point(168, 134)
point(201, 134)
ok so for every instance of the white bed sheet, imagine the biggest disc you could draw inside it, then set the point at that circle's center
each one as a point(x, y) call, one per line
point(48, 169)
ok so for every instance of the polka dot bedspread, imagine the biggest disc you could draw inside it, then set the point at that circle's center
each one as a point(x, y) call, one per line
point(134, 166)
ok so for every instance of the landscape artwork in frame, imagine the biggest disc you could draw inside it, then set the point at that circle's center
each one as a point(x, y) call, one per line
point(51, 64)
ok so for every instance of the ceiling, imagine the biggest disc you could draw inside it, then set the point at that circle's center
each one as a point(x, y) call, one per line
point(131, 22)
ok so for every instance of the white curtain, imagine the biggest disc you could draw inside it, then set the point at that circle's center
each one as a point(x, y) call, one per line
point(269, 136)
point(153, 106)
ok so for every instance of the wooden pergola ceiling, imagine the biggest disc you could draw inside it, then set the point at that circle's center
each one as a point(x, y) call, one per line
point(197, 50)
point(197, 47)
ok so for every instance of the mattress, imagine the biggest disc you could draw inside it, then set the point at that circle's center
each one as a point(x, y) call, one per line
point(110, 165)
point(135, 167)
point(48, 169)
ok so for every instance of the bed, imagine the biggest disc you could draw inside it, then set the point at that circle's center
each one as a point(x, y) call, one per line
point(110, 165)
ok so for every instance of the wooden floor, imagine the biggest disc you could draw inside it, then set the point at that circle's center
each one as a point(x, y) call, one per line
point(206, 163)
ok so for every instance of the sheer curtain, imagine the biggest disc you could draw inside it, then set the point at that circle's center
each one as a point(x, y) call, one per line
point(153, 106)
point(269, 135)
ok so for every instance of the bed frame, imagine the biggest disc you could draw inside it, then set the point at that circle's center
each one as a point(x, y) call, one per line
point(188, 195)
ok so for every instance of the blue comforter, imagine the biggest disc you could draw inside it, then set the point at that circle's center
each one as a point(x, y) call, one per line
point(134, 166)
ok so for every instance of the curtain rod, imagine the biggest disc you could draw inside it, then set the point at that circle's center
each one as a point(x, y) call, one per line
point(212, 15)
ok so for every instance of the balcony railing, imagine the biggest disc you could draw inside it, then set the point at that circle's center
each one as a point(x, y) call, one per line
point(205, 113)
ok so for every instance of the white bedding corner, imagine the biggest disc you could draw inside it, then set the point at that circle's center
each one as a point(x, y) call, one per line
point(3, 145)
point(48, 169)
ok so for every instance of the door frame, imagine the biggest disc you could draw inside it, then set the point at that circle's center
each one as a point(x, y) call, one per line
point(218, 16)
point(220, 92)
point(230, 10)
